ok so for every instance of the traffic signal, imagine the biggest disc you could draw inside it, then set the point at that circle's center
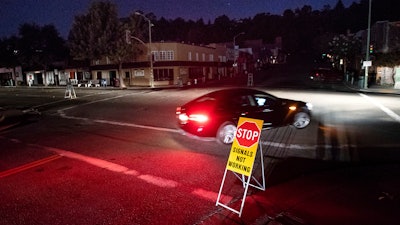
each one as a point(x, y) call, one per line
point(371, 49)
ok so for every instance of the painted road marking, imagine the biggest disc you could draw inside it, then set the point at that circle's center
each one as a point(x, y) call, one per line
point(389, 112)
point(64, 100)
point(62, 113)
point(122, 124)
point(29, 166)
point(161, 182)
point(155, 180)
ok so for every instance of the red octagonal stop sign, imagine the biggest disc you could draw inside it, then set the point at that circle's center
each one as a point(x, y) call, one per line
point(247, 134)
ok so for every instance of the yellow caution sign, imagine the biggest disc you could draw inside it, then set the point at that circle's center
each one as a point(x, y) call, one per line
point(244, 147)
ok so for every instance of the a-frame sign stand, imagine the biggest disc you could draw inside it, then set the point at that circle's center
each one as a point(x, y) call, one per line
point(70, 92)
point(257, 184)
point(242, 157)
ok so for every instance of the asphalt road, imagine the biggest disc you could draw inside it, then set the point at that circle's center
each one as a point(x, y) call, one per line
point(115, 156)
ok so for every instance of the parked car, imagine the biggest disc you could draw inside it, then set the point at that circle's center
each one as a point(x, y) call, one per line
point(215, 115)
point(326, 75)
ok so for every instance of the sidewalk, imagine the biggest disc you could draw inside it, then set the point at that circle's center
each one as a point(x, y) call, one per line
point(379, 89)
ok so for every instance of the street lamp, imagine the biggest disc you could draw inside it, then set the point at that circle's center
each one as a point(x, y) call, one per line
point(149, 48)
point(234, 49)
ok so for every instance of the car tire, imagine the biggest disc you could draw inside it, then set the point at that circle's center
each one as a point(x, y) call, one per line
point(301, 120)
point(226, 133)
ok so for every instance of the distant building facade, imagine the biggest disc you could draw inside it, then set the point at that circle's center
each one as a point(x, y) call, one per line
point(172, 63)
point(384, 38)
point(11, 76)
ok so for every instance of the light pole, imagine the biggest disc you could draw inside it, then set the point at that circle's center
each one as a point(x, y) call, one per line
point(368, 44)
point(234, 49)
point(149, 48)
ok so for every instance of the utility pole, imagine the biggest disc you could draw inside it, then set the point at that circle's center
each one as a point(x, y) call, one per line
point(149, 49)
point(234, 52)
point(367, 59)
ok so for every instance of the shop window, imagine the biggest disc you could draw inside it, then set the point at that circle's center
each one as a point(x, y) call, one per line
point(163, 74)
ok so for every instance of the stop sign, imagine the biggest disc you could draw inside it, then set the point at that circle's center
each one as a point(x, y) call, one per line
point(247, 134)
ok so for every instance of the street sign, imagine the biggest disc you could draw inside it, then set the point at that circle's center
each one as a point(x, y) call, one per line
point(244, 147)
point(242, 156)
point(247, 134)
point(367, 63)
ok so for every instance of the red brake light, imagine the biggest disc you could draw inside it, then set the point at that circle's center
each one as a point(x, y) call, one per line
point(198, 118)
point(183, 118)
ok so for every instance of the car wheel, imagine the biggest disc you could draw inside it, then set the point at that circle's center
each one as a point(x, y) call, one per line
point(301, 120)
point(226, 133)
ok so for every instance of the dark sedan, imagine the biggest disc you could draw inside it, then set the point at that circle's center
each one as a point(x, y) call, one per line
point(215, 115)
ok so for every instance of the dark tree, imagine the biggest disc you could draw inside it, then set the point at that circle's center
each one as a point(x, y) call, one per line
point(40, 47)
point(94, 35)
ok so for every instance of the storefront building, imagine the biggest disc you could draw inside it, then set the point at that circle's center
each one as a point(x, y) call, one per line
point(172, 63)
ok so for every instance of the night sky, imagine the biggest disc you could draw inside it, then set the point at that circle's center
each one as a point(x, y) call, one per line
point(61, 13)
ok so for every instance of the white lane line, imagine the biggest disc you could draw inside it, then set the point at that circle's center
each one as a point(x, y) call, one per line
point(389, 112)
point(120, 123)
point(62, 113)
point(99, 100)
point(210, 195)
point(155, 180)
point(64, 100)
point(158, 181)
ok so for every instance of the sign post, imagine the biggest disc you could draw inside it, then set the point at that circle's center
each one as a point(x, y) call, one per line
point(242, 156)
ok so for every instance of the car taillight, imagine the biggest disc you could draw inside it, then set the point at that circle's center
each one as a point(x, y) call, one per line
point(183, 118)
point(200, 118)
